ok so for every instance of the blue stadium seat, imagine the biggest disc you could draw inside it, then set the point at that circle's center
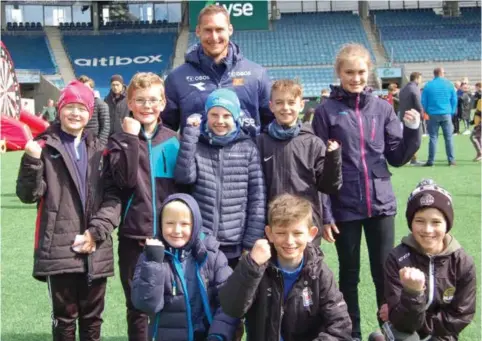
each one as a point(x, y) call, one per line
point(422, 35)
point(313, 79)
point(22, 48)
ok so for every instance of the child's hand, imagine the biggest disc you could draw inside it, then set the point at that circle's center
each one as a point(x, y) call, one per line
point(33, 149)
point(383, 313)
point(261, 252)
point(131, 126)
point(152, 241)
point(412, 279)
point(327, 233)
point(84, 243)
point(332, 145)
point(411, 119)
point(194, 120)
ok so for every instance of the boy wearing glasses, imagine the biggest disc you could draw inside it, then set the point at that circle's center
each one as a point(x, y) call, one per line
point(142, 160)
point(62, 171)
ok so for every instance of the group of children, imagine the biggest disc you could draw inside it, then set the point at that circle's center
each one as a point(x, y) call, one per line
point(191, 211)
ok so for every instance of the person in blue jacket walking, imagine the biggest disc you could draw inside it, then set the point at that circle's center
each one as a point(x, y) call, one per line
point(215, 63)
point(439, 100)
point(177, 278)
point(371, 136)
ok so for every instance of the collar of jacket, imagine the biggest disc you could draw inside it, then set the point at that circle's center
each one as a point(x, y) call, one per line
point(349, 98)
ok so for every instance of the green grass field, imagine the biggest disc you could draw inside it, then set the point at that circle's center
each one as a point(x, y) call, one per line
point(25, 309)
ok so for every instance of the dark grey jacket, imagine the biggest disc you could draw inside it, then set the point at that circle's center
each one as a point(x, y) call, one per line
point(118, 109)
point(314, 309)
point(99, 124)
point(51, 183)
point(227, 183)
point(409, 98)
point(300, 166)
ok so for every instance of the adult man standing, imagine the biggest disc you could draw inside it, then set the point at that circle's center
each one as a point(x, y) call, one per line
point(99, 123)
point(409, 98)
point(217, 63)
point(439, 100)
point(117, 102)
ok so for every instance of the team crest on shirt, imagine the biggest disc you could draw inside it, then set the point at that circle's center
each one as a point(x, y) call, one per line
point(448, 295)
point(306, 295)
point(238, 81)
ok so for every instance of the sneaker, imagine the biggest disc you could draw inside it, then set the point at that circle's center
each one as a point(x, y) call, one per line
point(455, 134)
point(427, 164)
point(424, 135)
point(478, 158)
point(376, 336)
point(416, 163)
point(467, 132)
point(452, 163)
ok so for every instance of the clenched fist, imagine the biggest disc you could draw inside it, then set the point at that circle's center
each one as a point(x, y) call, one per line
point(33, 149)
point(332, 145)
point(411, 119)
point(412, 279)
point(194, 120)
point(261, 251)
point(131, 126)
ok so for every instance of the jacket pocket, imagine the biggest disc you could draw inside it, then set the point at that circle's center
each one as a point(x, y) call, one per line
point(382, 185)
point(349, 194)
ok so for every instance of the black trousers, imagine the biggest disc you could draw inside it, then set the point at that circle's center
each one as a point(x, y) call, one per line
point(379, 235)
point(137, 321)
point(74, 299)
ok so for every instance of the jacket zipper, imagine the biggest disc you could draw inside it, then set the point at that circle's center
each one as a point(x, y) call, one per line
point(178, 268)
point(362, 151)
point(431, 282)
point(153, 189)
point(218, 194)
point(281, 302)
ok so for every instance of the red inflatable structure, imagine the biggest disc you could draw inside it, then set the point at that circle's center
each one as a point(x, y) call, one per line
point(16, 126)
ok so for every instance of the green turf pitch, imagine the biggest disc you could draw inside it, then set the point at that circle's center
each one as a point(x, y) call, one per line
point(25, 309)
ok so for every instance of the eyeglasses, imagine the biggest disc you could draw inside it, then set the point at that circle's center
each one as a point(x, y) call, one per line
point(142, 101)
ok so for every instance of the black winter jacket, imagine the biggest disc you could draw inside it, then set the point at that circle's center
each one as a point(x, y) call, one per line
point(313, 311)
point(51, 182)
point(118, 109)
point(99, 124)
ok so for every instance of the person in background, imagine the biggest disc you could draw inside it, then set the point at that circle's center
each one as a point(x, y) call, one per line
point(325, 93)
point(49, 113)
point(117, 102)
point(308, 117)
point(99, 124)
point(465, 107)
point(393, 97)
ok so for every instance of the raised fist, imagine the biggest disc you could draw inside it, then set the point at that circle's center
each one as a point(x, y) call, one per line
point(412, 279)
point(411, 119)
point(194, 120)
point(131, 126)
point(261, 251)
point(332, 145)
point(33, 149)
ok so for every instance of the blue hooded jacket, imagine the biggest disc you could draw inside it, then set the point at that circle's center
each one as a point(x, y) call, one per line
point(371, 136)
point(179, 289)
point(188, 86)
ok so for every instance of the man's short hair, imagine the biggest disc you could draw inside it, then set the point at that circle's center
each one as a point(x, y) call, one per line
point(86, 80)
point(292, 86)
point(287, 209)
point(414, 76)
point(437, 71)
point(212, 10)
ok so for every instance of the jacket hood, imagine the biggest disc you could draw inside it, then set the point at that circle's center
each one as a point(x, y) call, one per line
point(193, 55)
point(451, 245)
point(196, 218)
point(306, 128)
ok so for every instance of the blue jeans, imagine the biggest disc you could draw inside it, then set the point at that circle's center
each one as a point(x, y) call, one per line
point(433, 124)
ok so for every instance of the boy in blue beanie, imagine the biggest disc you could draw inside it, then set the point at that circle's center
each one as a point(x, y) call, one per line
point(222, 165)
point(177, 278)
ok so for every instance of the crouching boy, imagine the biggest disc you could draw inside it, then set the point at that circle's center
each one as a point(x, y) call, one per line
point(283, 287)
point(177, 278)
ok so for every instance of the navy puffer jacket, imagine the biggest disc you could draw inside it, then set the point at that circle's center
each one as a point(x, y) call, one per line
point(179, 287)
point(228, 184)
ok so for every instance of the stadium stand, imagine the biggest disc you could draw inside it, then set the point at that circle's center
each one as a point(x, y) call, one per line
point(123, 54)
point(422, 35)
point(30, 52)
point(313, 78)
